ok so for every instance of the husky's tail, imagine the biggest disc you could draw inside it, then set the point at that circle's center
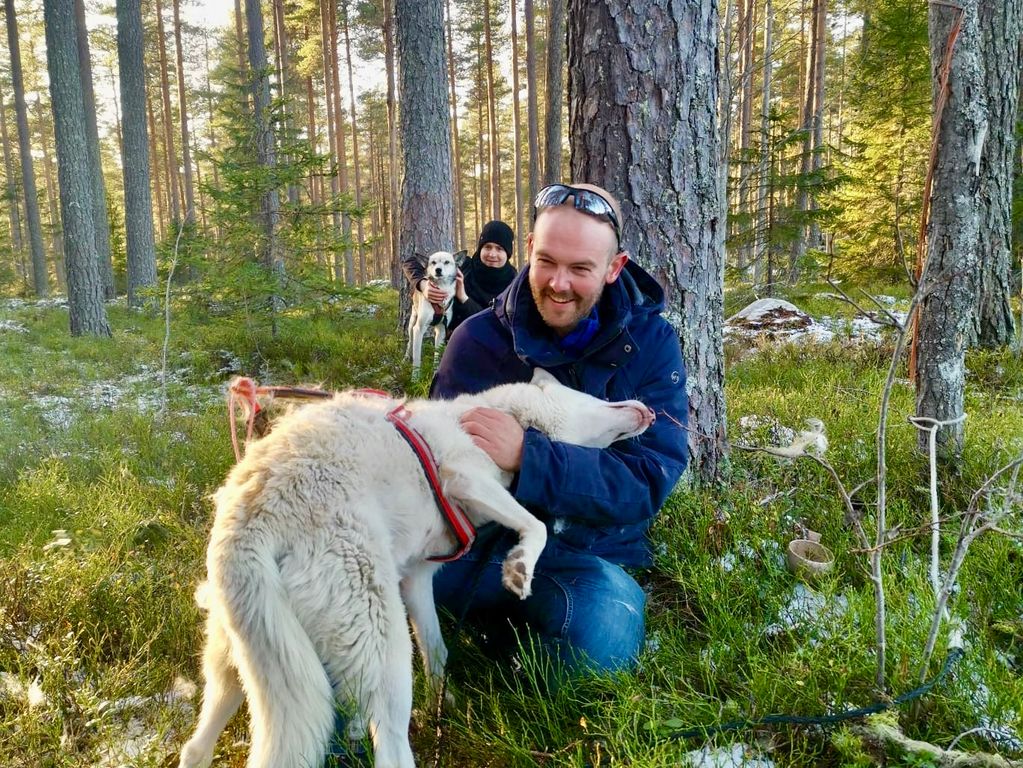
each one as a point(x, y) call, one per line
point(290, 698)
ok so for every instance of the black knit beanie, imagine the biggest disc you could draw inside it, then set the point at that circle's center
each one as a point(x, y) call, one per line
point(499, 233)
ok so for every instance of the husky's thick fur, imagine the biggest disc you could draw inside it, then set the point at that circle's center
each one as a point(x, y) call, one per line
point(441, 268)
point(320, 542)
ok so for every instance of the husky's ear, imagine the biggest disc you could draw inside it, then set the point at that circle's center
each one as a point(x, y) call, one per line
point(460, 257)
point(542, 378)
point(423, 259)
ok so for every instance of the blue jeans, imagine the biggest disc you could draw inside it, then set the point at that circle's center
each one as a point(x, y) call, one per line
point(584, 611)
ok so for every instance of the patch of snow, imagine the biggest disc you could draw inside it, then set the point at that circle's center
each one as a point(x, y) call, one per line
point(60, 539)
point(779, 320)
point(807, 607)
point(13, 326)
point(733, 756)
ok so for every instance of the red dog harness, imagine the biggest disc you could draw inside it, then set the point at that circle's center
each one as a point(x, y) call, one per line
point(245, 390)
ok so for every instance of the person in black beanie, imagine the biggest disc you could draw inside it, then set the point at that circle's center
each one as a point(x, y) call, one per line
point(486, 274)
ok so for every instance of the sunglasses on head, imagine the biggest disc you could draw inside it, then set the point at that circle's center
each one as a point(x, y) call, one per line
point(584, 200)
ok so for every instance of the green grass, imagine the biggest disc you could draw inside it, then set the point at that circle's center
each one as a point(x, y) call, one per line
point(104, 610)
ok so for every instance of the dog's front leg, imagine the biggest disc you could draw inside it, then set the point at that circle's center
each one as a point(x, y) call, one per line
point(417, 592)
point(440, 333)
point(490, 500)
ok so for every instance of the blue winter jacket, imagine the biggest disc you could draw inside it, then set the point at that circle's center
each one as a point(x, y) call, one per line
point(600, 501)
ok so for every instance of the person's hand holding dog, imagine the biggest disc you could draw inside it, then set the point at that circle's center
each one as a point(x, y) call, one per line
point(460, 293)
point(435, 295)
point(498, 434)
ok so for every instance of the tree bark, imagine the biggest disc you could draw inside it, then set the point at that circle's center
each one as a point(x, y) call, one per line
point(138, 204)
point(52, 204)
point(154, 157)
point(11, 194)
point(99, 195)
point(40, 281)
point(1001, 27)
point(762, 218)
point(493, 138)
point(425, 133)
point(329, 96)
point(555, 90)
point(517, 124)
point(357, 246)
point(392, 142)
point(660, 158)
point(456, 150)
point(950, 274)
point(339, 137)
point(186, 153)
point(270, 251)
point(532, 122)
point(85, 282)
point(170, 151)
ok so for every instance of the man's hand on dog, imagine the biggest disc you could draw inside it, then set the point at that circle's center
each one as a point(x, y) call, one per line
point(498, 434)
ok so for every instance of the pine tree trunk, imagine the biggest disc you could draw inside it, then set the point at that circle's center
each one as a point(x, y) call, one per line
point(40, 281)
point(1001, 27)
point(392, 142)
point(170, 152)
point(747, 32)
point(138, 204)
point(56, 229)
point(239, 34)
point(425, 133)
point(186, 153)
point(456, 150)
point(339, 136)
point(117, 112)
point(672, 222)
point(155, 165)
point(86, 310)
point(11, 194)
point(555, 90)
point(482, 151)
point(99, 195)
point(361, 257)
point(949, 279)
point(517, 124)
point(271, 255)
point(493, 138)
point(532, 122)
point(762, 217)
point(329, 96)
point(808, 83)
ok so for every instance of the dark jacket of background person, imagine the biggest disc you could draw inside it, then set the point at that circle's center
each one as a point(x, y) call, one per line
point(483, 284)
point(599, 501)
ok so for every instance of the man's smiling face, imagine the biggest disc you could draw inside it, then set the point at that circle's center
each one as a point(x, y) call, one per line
point(572, 256)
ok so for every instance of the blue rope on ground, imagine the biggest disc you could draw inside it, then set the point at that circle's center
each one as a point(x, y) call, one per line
point(850, 714)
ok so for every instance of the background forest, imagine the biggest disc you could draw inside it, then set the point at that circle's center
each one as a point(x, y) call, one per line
point(197, 191)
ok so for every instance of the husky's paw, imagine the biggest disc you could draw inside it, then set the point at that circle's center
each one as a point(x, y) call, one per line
point(517, 574)
point(195, 756)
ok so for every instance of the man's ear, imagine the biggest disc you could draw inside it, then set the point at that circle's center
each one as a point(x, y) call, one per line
point(460, 257)
point(529, 247)
point(616, 266)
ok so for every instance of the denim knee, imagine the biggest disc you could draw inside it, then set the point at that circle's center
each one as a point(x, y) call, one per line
point(604, 624)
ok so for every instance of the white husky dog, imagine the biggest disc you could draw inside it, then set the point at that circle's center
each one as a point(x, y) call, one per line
point(440, 271)
point(321, 536)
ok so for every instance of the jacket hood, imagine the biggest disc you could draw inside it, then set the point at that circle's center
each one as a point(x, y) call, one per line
point(634, 294)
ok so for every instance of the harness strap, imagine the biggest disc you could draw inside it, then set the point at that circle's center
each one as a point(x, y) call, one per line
point(461, 528)
point(440, 311)
point(245, 391)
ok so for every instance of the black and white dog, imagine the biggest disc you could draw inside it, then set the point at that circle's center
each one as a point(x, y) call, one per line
point(441, 268)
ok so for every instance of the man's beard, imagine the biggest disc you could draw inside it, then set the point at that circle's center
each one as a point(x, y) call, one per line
point(564, 324)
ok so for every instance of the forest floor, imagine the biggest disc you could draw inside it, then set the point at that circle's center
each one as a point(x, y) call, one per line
point(107, 460)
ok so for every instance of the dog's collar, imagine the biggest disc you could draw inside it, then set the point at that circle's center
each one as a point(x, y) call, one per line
point(440, 311)
point(456, 519)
